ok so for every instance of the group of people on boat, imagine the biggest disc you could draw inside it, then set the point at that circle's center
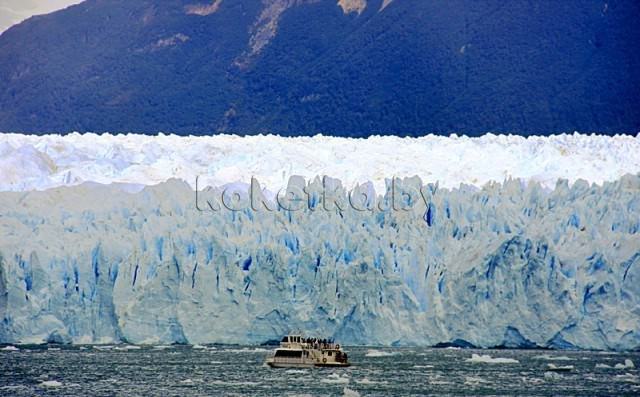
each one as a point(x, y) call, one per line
point(317, 343)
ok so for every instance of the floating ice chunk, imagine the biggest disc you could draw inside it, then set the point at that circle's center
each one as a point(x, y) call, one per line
point(487, 359)
point(560, 368)
point(379, 353)
point(367, 381)
point(336, 378)
point(51, 383)
point(628, 364)
point(628, 377)
point(552, 375)
point(103, 347)
point(53, 349)
point(533, 381)
point(161, 347)
point(10, 349)
point(423, 366)
point(128, 347)
point(473, 380)
point(346, 392)
point(211, 348)
point(549, 357)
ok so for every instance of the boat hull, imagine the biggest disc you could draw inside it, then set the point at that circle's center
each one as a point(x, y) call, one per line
point(307, 365)
point(333, 365)
point(290, 365)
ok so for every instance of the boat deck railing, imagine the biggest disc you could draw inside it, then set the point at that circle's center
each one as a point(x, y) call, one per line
point(311, 343)
point(321, 346)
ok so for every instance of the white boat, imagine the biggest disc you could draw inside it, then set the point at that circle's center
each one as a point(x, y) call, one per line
point(296, 351)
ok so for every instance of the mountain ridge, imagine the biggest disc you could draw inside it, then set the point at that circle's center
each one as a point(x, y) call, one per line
point(344, 68)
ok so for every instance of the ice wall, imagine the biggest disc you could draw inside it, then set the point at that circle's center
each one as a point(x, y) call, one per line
point(509, 264)
point(30, 162)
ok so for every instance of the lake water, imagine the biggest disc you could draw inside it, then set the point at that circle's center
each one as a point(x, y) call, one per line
point(239, 371)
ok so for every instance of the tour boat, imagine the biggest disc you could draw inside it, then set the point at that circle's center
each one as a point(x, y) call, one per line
point(296, 351)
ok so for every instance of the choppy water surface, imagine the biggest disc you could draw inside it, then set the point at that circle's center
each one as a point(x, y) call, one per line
point(239, 371)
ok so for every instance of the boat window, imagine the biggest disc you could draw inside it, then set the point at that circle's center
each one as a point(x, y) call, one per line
point(288, 353)
point(330, 352)
point(285, 339)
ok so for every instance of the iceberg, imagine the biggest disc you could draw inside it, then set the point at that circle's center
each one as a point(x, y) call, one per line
point(127, 347)
point(553, 376)
point(346, 392)
point(367, 381)
point(487, 359)
point(336, 378)
point(628, 364)
point(560, 368)
point(549, 357)
point(51, 383)
point(379, 353)
point(114, 250)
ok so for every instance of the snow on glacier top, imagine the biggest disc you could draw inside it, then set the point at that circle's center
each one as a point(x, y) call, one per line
point(29, 162)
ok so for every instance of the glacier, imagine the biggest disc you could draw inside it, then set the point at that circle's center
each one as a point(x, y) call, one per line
point(513, 264)
point(29, 162)
point(102, 240)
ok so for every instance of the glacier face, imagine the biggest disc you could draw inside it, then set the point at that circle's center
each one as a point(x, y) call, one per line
point(30, 162)
point(513, 264)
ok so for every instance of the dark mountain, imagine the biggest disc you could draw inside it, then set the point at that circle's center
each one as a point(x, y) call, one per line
point(340, 67)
